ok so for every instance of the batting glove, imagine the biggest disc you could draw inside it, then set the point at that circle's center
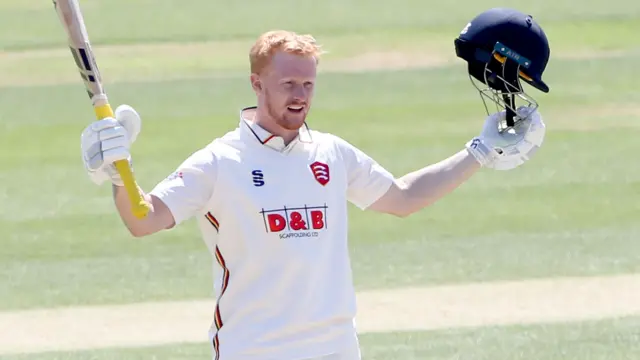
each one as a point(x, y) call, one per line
point(106, 141)
point(505, 149)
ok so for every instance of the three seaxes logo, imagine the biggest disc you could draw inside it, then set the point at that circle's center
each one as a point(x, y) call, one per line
point(320, 172)
point(305, 221)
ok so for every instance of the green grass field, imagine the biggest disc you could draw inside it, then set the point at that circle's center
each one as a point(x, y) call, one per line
point(616, 339)
point(391, 85)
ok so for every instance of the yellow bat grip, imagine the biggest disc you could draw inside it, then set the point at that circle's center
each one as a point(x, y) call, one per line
point(139, 207)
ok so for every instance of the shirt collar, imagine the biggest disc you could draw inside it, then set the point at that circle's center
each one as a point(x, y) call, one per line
point(266, 138)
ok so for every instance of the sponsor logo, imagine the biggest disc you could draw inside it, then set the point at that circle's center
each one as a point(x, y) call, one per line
point(300, 222)
point(258, 177)
point(474, 143)
point(174, 175)
point(320, 172)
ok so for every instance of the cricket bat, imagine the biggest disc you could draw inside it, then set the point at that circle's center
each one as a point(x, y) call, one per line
point(72, 21)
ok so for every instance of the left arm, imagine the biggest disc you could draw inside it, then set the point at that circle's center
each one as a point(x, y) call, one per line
point(423, 187)
point(414, 191)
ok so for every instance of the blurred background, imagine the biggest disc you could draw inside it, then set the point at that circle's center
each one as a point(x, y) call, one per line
point(390, 84)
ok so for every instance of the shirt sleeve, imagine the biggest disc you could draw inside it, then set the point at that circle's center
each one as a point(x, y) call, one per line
point(188, 189)
point(367, 180)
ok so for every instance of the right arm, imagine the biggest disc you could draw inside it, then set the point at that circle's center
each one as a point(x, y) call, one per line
point(177, 198)
point(158, 218)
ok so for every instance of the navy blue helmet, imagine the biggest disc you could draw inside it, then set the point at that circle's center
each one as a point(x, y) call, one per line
point(504, 47)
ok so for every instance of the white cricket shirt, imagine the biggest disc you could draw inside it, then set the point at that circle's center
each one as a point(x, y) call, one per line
point(275, 219)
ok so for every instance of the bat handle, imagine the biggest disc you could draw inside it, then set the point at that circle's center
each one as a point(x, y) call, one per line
point(139, 206)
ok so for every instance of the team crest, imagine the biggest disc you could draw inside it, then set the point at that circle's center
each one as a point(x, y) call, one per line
point(320, 172)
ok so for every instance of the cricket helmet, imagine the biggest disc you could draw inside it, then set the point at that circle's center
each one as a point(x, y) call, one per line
point(504, 47)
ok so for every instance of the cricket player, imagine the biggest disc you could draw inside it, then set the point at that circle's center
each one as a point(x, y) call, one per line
point(270, 196)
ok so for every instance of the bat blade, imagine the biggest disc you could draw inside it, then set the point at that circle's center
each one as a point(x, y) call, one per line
point(72, 21)
point(70, 16)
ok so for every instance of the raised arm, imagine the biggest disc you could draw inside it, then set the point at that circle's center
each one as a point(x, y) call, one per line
point(158, 218)
point(175, 199)
point(492, 149)
point(423, 187)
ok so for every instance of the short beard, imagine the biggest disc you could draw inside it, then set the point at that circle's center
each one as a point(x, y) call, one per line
point(281, 119)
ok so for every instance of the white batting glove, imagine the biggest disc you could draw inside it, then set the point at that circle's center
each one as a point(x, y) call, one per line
point(508, 149)
point(108, 140)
